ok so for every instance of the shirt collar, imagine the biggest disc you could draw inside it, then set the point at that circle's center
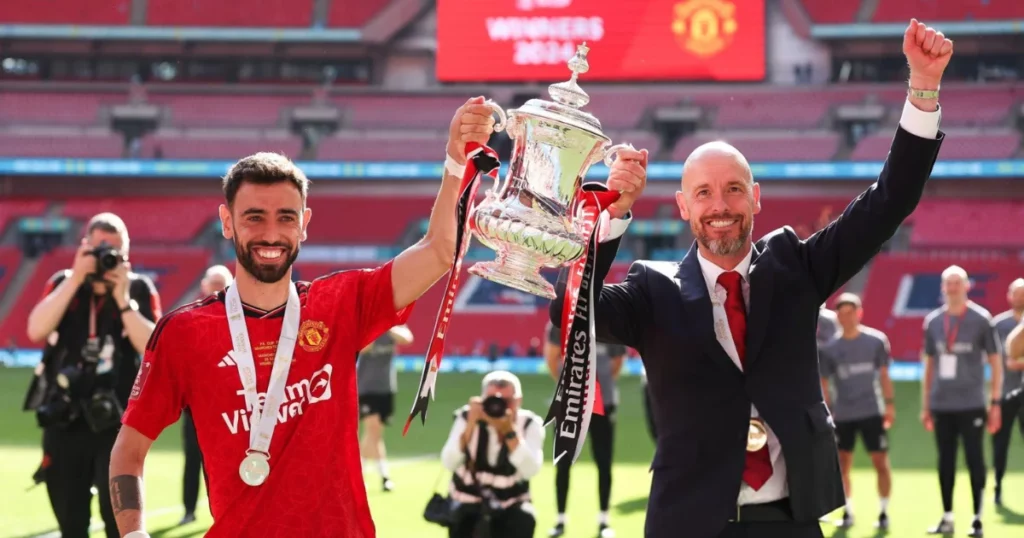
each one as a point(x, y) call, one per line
point(712, 272)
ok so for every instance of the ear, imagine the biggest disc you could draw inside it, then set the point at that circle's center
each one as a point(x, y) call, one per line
point(757, 198)
point(227, 227)
point(681, 202)
point(306, 215)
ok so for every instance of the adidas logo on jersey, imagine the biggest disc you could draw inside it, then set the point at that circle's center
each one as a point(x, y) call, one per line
point(227, 361)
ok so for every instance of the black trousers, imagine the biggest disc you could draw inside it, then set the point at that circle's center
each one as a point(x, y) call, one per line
point(79, 459)
point(1012, 411)
point(602, 443)
point(782, 529)
point(950, 428)
point(649, 414)
point(193, 463)
point(516, 521)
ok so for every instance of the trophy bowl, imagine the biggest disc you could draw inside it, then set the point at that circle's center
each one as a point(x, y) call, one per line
point(531, 220)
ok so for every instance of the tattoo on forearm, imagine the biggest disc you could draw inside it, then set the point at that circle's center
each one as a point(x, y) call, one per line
point(125, 494)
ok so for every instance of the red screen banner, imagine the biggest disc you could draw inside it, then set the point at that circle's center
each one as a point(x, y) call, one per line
point(531, 40)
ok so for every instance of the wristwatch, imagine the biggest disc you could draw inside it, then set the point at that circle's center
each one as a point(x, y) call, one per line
point(132, 305)
point(997, 401)
point(923, 94)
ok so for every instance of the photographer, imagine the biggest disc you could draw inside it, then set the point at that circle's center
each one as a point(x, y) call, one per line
point(493, 450)
point(96, 319)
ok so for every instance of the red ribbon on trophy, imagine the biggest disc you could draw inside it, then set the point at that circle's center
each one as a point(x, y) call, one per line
point(480, 161)
point(578, 394)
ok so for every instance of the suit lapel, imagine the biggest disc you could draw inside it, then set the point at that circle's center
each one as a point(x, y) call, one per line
point(759, 312)
point(697, 304)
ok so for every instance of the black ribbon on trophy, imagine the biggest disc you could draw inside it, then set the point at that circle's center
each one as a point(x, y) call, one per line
point(480, 161)
point(578, 393)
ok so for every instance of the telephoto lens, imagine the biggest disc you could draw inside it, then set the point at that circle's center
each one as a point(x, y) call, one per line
point(495, 406)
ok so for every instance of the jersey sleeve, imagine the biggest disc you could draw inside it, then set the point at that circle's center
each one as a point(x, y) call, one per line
point(145, 293)
point(825, 368)
point(929, 342)
point(157, 396)
point(884, 358)
point(53, 282)
point(376, 308)
point(990, 340)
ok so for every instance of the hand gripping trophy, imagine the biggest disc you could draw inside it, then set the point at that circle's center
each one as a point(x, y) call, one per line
point(542, 216)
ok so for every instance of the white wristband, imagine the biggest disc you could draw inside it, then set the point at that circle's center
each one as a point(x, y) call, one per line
point(454, 168)
point(137, 534)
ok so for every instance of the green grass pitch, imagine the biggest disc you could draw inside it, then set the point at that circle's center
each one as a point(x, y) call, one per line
point(915, 503)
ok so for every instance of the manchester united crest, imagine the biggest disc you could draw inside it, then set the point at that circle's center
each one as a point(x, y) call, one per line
point(313, 335)
point(704, 27)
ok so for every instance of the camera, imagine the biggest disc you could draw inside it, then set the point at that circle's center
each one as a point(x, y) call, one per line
point(76, 397)
point(495, 406)
point(107, 258)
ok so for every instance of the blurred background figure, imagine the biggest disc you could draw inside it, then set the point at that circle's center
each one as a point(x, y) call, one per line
point(1013, 386)
point(216, 279)
point(377, 385)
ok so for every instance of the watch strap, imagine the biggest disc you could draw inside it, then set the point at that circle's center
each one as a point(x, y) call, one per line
point(131, 306)
point(923, 94)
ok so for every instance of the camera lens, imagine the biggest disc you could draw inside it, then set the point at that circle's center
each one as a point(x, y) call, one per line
point(108, 260)
point(495, 406)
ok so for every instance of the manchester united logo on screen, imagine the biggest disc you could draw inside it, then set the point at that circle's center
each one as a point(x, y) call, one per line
point(704, 27)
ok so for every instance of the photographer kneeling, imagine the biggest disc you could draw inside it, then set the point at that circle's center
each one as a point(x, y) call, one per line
point(96, 319)
point(493, 450)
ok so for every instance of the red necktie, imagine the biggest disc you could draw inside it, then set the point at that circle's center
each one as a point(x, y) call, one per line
point(759, 464)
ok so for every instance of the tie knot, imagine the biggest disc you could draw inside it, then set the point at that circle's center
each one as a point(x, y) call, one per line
point(730, 280)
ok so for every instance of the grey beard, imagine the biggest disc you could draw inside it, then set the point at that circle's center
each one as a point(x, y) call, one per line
point(723, 247)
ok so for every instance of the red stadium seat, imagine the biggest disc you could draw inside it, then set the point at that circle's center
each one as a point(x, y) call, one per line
point(82, 12)
point(966, 223)
point(12, 209)
point(14, 326)
point(56, 108)
point(10, 260)
point(267, 13)
point(353, 14)
point(71, 143)
point(157, 219)
point(768, 145)
point(947, 10)
point(823, 12)
point(219, 145)
point(959, 145)
point(196, 110)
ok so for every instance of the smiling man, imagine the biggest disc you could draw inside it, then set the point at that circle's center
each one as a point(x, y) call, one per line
point(267, 368)
point(728, 335)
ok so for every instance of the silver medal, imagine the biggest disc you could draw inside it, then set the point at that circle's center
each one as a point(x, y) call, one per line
point(254, 469)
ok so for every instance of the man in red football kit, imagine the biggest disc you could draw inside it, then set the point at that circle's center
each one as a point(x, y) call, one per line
point(297, 473)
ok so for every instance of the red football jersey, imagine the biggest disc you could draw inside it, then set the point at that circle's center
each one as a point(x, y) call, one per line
point(315, 487)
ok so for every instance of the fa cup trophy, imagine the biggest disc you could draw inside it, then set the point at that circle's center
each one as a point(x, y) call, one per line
point(529, 220)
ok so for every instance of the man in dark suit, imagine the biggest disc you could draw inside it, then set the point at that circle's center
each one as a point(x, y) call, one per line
point(728, 335)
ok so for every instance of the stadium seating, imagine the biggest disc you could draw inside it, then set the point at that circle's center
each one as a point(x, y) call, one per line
point(768, 145)
point(221, 144)
point(13, 327)
point(947, 10)
point(107, 12)
point(61, 143)
point(161, 220)
point(56, 108)
point(398, 111)
point(831, 12)
point(902, 288)
point(197, 110)
point(10, 259)
point(360, 220)
point(268, 13)
point(12, 209)
point(960, 144)
point(960, 223)
point(174, 270)
point(347, 14)
point(383, 145)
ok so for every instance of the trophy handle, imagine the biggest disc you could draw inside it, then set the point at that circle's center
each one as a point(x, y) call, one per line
point(611, 154)
point(502, 119)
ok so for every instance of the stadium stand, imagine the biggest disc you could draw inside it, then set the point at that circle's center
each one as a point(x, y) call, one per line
point(768, 145)
point(946, 10)
point(269, 13)
point(10, 260)
point(997, 143)
point(66, 12)
point(60, 142)
point(221, 144)
point(151, 220)
point(831, 12)
point(11, 210)
point(77, 108)
point(354, 14)
point(959, 223)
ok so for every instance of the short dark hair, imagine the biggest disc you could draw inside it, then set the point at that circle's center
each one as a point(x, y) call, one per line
point(109, 223)
point(264, 169)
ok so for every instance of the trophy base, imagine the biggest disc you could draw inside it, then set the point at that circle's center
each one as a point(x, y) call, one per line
point(516, 274)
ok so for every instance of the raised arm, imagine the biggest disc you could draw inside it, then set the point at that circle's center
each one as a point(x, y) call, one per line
point(417, 268)
point(837, 252)
point(127, 460)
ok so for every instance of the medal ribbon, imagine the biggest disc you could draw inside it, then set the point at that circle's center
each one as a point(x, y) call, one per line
point(578, 394)
point(480, 161)
point(263, 419)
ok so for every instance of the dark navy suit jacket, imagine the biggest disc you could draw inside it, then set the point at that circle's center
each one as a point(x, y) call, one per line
point(702, 401)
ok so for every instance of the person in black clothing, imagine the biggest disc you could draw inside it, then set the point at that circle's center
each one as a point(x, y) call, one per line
point(95, 318)
point(217, 278)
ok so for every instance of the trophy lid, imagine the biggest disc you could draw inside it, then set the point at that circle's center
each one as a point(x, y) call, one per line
point(568, 98)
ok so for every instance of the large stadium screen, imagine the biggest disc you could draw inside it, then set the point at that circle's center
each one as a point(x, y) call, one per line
point(643, 40)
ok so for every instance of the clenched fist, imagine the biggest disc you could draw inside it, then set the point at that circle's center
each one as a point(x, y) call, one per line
point(928, 52)
point(628, 175)
point(473, 122)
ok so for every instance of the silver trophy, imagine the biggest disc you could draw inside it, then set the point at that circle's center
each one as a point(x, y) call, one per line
point(531, 220)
